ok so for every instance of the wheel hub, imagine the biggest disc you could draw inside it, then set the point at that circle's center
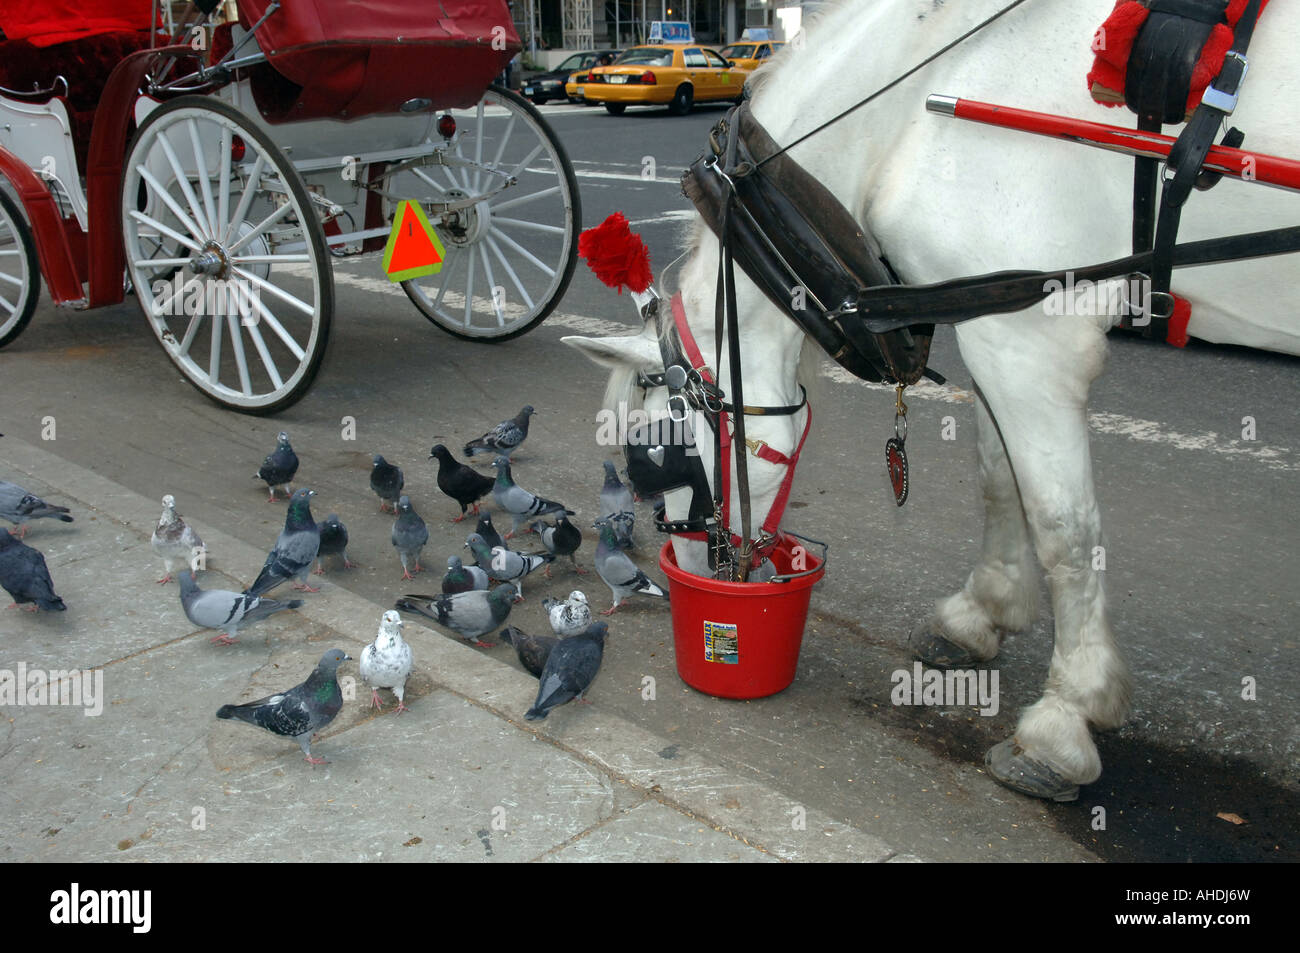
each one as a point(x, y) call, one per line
point(212, 261)
point(466, 226)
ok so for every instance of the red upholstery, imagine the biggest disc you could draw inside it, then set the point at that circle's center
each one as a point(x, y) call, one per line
point(47, 22)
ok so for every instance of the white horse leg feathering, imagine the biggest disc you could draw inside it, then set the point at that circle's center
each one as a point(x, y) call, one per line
point(947, 200)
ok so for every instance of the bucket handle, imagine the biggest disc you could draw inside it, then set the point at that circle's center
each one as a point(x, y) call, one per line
point(807, 572)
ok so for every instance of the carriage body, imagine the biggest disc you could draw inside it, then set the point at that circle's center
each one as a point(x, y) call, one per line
point(222, 167)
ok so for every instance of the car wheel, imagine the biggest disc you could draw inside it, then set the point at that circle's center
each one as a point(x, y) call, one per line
point(615, 109)
point(682, 101)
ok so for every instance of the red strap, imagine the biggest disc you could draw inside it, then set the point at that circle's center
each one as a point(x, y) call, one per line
point(783, 495)
point(688, 340)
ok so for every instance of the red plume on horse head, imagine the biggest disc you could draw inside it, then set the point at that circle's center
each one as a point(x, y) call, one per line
point(617, 254)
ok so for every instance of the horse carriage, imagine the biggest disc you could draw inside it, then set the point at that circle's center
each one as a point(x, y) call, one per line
point(214, 170)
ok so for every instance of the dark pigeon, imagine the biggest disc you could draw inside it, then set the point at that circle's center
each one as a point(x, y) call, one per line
point(387, 481)
point(462, 578)
point(463, 484)
point(562, 539)
point(24, 575)
point(294, 551)
point(18, 506)
point(488, 531)
point(223, 609)
point(468, 614)
point(333, 542)
point(409, 537)
point(570, 669)
point(279, 466)
point(533, 650)
point(301, 711)
point(503, 439)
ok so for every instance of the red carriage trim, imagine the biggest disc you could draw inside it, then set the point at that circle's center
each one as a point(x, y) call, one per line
point(48, 22)
point(1114, 43)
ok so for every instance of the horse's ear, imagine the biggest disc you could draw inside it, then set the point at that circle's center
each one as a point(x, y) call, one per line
point(634, 350)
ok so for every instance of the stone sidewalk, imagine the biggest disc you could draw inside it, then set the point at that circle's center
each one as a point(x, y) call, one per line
point(155, 776)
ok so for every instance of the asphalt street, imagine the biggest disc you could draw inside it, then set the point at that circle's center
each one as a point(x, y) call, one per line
point(1201, 557)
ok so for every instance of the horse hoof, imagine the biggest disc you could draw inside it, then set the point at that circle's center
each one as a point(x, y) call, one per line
point(1012, 768)
point(930, 645)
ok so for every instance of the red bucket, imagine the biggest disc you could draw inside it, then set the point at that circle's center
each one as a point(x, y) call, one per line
point(742, 639)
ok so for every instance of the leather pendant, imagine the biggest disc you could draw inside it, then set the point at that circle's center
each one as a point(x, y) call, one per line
point(896, 462)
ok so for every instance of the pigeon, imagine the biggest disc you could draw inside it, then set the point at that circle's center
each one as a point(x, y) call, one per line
point(468, 614)
point(462, 578)
point(225, 610)
point(505, 565)
point(18, 506)
point(24, 575)
point(616, 502)
point(387, 482)
point(301, 711)
point(517, 501)
point(619, 572)
point(333, 542)
point(570, 669)
point(488, 531)
point(174, 540)
point(562, 539)
point(568, 616)
point(503, 439)
point(386, 662)
point(463, 484)
point(294, 551)
point(279, 466)
point(409, 536)
point(532, 650)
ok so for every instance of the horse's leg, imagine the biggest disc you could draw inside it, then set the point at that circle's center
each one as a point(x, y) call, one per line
point(1001, 592)
point(1037, 391)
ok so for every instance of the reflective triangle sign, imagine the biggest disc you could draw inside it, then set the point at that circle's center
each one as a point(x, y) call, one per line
point(413, 249)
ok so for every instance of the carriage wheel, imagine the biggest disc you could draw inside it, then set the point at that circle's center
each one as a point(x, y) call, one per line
point(510, 256)
point(20, 283)
point(226, 254)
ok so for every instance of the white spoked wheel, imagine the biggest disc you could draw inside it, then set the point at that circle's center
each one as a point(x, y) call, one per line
point(226, 255)
point(509, 255)
point(20, 276)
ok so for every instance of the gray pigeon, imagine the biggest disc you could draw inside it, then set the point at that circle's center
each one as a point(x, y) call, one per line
point(333, 542)
point(386, 662)
point(409, 536)
point(18, 506)
point(562, 539)
point(301, 711)
point(225, 610)
point(279, 466)
point(532, 650)
point(294, 551)
point(174, 540)
point(468, 614)
point(462, 578)
point(24, 575)
point(517, 501)
point(619, 572)
point(387, 481)
point(505, 565)
point(570, 669)
point(616, 504)
point(503, 439)
point(568, 616)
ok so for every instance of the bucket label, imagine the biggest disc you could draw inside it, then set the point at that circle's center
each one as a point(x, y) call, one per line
point(721, 643)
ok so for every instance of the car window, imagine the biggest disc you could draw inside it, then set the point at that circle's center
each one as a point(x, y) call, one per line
point(645, 57)
point(764, 52)
point(576, 61)
point(716, 61)
point(739, 51)
point(694, 59)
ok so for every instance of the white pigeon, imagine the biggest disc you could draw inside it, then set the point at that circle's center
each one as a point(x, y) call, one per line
point(174, 540)
point(386, 662)
point(568, 616)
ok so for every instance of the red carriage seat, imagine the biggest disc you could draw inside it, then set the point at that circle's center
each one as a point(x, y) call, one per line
point(80, 40)
point(349, 58)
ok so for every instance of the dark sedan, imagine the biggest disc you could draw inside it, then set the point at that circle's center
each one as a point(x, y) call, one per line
point(545, 87)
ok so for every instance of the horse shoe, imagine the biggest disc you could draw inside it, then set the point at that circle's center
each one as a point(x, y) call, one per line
point(1011, 767)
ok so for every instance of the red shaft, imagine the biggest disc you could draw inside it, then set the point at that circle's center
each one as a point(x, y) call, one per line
point(1238, 163)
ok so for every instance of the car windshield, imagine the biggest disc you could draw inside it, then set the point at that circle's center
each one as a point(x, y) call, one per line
point(576, 61)
point(739, 51)
point(645, 56)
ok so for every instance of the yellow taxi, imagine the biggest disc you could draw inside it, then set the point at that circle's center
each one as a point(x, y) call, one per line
point(751, 54)
point(676, 75)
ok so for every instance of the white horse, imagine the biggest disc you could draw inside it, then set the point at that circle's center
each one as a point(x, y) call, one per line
point(945, 199)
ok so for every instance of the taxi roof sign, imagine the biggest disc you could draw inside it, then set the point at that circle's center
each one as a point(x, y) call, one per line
point(670, 31)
